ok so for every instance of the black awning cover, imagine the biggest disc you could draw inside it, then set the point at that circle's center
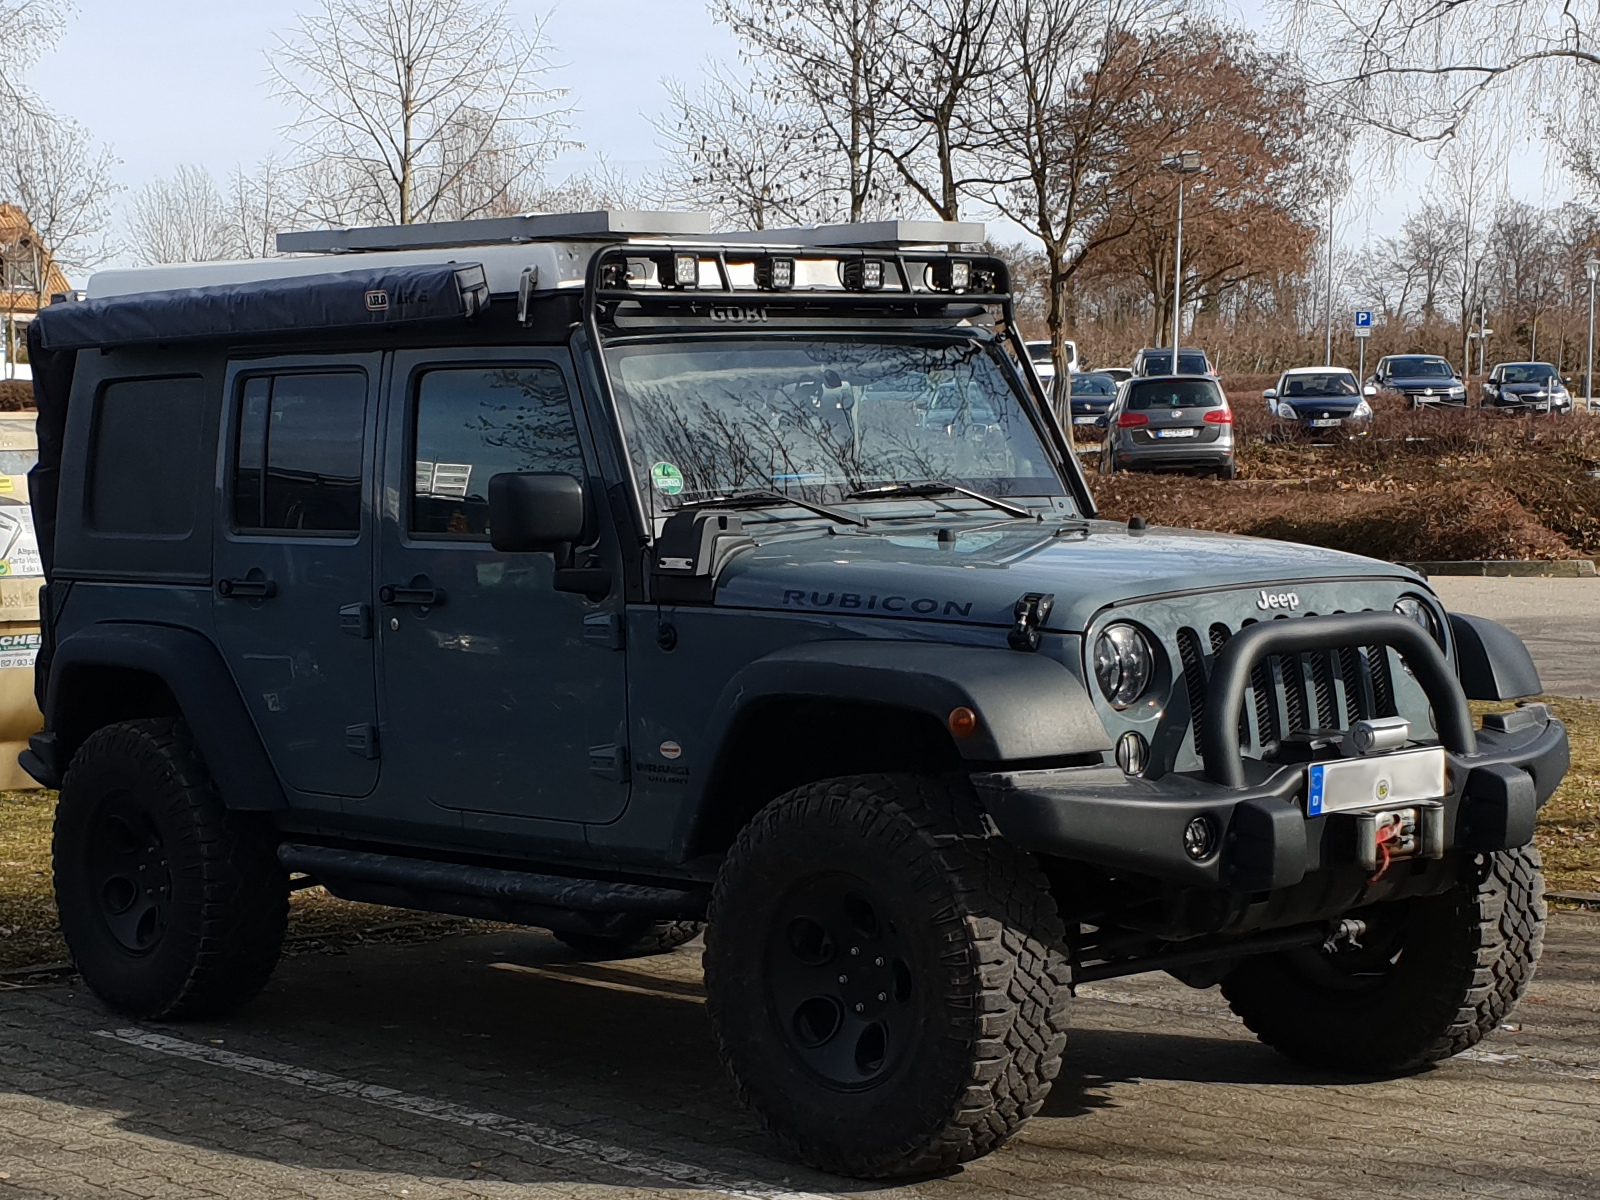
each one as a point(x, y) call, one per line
point(358, 299)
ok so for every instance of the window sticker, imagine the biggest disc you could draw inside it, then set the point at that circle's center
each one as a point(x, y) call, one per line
point(667, 478)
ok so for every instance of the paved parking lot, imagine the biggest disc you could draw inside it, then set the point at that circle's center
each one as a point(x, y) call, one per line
point(495, 1065)
point(1558, 618)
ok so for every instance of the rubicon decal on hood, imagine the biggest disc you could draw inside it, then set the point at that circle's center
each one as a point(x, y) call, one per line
point(922, 606)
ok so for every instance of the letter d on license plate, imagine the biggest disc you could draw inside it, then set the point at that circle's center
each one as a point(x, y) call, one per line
point(1377, 781)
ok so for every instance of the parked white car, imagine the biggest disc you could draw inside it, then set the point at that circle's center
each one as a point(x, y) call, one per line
point(1045, 365)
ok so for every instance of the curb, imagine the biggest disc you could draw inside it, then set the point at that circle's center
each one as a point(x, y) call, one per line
point(1510, 568)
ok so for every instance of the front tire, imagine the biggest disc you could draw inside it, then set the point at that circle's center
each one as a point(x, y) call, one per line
point(171, 906)
point(1434, 975)
point(887, 986)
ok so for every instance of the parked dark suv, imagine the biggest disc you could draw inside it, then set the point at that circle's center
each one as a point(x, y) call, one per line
point(597, 573)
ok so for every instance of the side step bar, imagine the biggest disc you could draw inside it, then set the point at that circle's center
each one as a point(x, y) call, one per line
point(488, 893)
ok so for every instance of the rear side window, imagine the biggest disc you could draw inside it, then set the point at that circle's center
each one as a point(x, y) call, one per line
point(474, 423)
point(297, 464)
point(144, 459)
point(1174, 393)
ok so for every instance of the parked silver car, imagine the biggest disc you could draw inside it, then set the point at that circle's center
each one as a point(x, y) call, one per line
point(1170, 423)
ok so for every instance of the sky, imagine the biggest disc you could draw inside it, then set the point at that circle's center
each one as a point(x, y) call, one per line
point(169, 82)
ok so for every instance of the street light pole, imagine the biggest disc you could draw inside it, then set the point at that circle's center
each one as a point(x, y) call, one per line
point(1592, 270)
point(1327, 347)
point(1185, 162)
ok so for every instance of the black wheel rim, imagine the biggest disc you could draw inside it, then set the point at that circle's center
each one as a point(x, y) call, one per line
point(841, 981)
point(129, 880)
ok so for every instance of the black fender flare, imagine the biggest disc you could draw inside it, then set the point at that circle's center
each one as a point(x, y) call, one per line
point(193, 670)
point(1491, 661)
point(1028, 706)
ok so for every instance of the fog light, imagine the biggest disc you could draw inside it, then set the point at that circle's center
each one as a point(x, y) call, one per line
point(1200, 838)
point(1133, 753)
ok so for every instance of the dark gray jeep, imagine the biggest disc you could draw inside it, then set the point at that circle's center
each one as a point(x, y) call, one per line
point(597, 573)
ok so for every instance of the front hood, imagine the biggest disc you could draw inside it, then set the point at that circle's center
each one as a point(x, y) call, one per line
point(902, 569)
point(1303, 405)
point(1425, 381)
point(1524, 389)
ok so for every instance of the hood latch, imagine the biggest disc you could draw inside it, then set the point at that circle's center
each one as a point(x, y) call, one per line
point(1031, 612)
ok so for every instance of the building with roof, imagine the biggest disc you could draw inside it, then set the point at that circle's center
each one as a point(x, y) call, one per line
point(29, 276)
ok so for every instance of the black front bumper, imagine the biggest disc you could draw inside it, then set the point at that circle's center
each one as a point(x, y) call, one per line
point(1266, 842)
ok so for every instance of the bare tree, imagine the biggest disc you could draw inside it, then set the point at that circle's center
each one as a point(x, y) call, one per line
point(1420, 68)
point(260, 206)
point(1066, 74)
point(754, 162)
point(942, 60)
point(181, 218)
point(27, 29)
point(55, 172)
point(836, 63)
point(416, 110)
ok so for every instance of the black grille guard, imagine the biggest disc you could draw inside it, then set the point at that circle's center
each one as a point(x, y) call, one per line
point(1230, 678)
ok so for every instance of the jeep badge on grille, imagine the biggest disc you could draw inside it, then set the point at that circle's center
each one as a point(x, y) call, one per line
point(1271, 600)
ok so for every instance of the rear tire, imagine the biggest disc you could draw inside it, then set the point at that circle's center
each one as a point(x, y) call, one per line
point(1436, 974)
point(887, 986)
point(636, 938)
point(172, 906)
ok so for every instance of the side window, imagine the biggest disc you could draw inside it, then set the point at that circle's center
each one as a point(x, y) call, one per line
point(473, 423)
point(297, 464)
point(144, 461)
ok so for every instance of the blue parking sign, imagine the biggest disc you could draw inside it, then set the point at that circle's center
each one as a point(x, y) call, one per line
point(1363, 318)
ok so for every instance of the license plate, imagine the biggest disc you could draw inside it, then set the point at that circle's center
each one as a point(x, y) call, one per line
point(1325, 422)
point(1084, 420)
point(1176, 433)
point(1377, 781)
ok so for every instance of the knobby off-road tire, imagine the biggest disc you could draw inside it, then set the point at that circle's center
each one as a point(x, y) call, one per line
point(1431, 984)
point(172, 906)
point(634, 939)
point(887, 986)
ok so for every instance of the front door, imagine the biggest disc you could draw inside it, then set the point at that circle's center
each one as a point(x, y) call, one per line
point(499, 693)
point(293, 563)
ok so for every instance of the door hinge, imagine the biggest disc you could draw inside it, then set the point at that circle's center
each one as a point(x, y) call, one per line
point(355, 620)
point(362, 740)
point(604, 629)
point(609, 762)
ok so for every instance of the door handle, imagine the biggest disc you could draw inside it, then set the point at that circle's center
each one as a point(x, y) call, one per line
point(418, 594)
point(246, 589)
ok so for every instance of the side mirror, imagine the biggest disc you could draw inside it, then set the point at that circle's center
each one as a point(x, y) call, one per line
point(1369, 390)
point(1269, 394)
point(531, 511)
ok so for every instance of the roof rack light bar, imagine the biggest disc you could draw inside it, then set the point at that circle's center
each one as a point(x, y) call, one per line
point(603, 225)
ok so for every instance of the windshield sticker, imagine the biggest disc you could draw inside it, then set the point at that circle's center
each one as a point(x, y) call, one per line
point(667, 478)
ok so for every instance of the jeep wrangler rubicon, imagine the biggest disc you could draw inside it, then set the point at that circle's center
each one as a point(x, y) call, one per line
point(599, 573)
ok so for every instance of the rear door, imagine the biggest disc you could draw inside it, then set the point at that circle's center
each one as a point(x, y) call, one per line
point(293, 563)
point(1175, 412)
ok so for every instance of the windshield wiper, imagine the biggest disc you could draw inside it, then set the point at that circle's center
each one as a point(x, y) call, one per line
point(763, 498)
point(934, 488)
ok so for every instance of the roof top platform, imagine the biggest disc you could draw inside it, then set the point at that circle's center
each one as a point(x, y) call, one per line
point(558, 245)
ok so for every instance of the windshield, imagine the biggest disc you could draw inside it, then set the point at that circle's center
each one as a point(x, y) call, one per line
point(822, 417)
point(1093, 385)
point(1529, 372)
point(1174, 393)
point(1421, 368)
point(1335, 383)
point(1039, 351)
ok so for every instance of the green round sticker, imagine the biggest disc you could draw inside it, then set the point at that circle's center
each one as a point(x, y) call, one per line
point(667, 478)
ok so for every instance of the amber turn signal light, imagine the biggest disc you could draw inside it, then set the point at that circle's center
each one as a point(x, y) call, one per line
point(963, 722)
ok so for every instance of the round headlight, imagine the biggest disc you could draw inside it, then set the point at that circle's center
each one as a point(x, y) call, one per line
point(1123, 663)
point(1413, 609)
